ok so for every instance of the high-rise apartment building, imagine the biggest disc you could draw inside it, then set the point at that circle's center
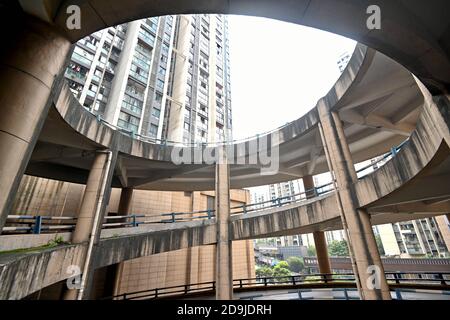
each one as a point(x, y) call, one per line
point(420, 237)
point(162, 78)
point(343, 60)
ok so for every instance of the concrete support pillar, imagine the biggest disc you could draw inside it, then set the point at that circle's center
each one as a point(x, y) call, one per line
point(308, 184)
point(91, 215)
point(363, 248)
point(126, 198)
point(31, 57)
point(112, 108)
point(95, 198)
point(224, 266)
point(320, 242)
point(125, 201)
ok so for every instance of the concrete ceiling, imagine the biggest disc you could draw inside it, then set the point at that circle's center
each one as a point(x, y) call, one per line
point(415, 33)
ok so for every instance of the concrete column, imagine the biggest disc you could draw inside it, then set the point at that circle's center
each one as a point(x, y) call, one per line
point(323, 259)
point(181, 69)
point(308, 184)
point(362, 244)
point(126, 198)
point(224, 266)
point(320, 242)
point(125, 201)
point(31, 57)
point(95, 198)
point(112, 108)
point(91, 214)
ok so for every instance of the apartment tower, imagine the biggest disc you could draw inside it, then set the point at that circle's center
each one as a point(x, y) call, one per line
point(161, 78)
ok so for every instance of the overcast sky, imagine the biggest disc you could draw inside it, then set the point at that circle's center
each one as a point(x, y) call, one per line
point(278, 71)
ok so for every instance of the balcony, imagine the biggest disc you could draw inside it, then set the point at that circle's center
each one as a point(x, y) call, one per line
point(110, 68)
point(114, 56)
point(81, 60)
point(131, 110)
point(146, 39)
point(75, 76)
point(134, 94)
point(91, 47)
point(118, 43)
point(220, 121)
point(96, 78)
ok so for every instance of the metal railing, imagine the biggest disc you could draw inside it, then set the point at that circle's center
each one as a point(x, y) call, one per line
point(39, 224)
point(313, 261)
point(430, 280)
point(165, 142)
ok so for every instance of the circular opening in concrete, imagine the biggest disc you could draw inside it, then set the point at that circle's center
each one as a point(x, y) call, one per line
point(155, 77)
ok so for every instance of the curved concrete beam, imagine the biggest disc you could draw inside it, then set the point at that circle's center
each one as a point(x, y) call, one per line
point(151, 166)
point(51, 265)
point(414, 33)
point(420, 170)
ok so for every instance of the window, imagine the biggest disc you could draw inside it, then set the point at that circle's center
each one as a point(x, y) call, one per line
point(147, 37)
point(156, 113)
point(128, 122)
point(160, 85)
point(135, 90)
point(153, 130)
point(166, 37)
point(82, 56)
point(219, 71)
point(165, 49)
point(161, 71)
point(158, 97)
point(132, 104)
point(152, 23)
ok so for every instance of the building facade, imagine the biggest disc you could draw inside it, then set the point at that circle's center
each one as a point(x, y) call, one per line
point(343, 60)
point(422, 237)
point(165, 78)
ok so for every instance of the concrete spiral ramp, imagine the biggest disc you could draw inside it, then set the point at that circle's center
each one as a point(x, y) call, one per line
point(387, 193)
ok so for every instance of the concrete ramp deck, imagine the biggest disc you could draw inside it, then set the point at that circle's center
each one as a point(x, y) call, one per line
point(145, 163)
point(431, 162)
point(387, 193)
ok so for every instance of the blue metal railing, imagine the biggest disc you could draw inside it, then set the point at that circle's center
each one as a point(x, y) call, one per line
point(428, 280)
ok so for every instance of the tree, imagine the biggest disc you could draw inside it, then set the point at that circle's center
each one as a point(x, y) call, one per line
point(262, 272)
point(283, 264)
point(311, 251)
point(281, 270)
point(338, 248)
point(295, 264)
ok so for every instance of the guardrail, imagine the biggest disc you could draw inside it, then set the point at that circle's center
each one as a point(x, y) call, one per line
point(39, 224)
point(165, 142)
point(430, 280)
point(313, 261)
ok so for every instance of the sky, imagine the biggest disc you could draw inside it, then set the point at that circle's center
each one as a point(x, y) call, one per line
point(278, 71)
